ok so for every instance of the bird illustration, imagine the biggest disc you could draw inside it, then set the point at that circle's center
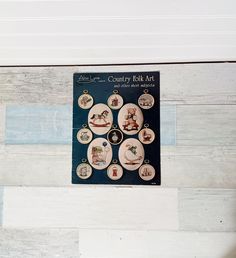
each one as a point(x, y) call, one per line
point(131, 155)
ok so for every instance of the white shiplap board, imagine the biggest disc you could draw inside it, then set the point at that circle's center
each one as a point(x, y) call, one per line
point(53, 243)
point(91, 207)
point(153, 244)
point(188, 166)
point(88, 32)
point(206, 125)
point(180, 84)
point(207, 209)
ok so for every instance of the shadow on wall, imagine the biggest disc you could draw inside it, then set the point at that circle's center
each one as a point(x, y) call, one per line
point(231, 254)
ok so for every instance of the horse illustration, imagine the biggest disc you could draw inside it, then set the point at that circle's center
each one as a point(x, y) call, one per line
point(99, 117)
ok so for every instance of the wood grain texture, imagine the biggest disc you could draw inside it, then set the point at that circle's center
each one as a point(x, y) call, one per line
point(206, 125)
point(207, 210)
point(50, 165)
point(1, 203)
point(91, 207)
point(152, 244)
point(2, 123)
point(180, 84)
point(38, 124)
point(168, 124)
point(35, 165)
point(53, 243)
point(198, 166)
point(83, 9)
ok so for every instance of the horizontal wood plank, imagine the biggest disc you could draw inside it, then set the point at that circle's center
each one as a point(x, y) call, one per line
point(115, 55)
point(203, 26)
point(90, 207)
point(45, 165)
point(2, 122)
point(207, 209)
point(189, 166)
point(180, 84)
point(37, 124)
point(206, 125)
point(34, 124)
point(53, 243)
point(152, 244)
point(121, 8)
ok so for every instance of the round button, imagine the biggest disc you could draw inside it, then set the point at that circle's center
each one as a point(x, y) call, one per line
point(146, 136)
point(84, 171)
point(84, 136)
point(115, 171)
point(147, 172)
point(85, 101)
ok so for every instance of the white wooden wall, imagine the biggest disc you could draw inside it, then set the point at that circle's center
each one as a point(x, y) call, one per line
point(193, 213)
point(60, 32)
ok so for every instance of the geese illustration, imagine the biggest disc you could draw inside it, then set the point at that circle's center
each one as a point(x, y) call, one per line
point(131, 155)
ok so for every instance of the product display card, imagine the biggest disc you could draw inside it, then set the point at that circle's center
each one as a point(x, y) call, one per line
point(116, 128)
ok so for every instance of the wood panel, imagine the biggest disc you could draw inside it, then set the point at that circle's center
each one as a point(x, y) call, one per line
point(50, 165)
point(35, 165)
point(198, 166)
point(152, 244)
point(2, 123)
point(206, 125)
point(180, 84)
point(53, 243)
point(35, 124)
point(91, 207)
point(52, 124)
point(207, 210)
point(132, 8)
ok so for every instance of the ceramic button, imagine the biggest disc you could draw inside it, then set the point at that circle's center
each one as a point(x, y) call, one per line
point(146, 136)
point(100, 119)
point(147, 172)
point(131, 154)
point(84, 136)
point(85, 101)
point(130, 119)
point(115, 172)
point(84, 171)
point(146, 101)
point(115, 136)
point(115, 101)
point(99, 153)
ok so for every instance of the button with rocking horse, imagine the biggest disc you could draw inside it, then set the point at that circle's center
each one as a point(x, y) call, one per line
point(100, 119)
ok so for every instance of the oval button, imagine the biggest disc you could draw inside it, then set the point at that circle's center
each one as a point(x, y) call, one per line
point(99, 153)
point(130, 119)
point(100, 119)
point(131, 154)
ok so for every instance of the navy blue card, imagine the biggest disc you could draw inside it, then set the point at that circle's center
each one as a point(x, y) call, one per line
point(116, 128)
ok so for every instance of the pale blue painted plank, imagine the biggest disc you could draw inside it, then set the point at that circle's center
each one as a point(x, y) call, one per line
point(34, 124)
point(168, 124)
point(53, 124)
point(1, 204)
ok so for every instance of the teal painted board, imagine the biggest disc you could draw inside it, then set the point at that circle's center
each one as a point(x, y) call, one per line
point(33, 124)
point(168, 125)
point(1, 204)
point(37, 124)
